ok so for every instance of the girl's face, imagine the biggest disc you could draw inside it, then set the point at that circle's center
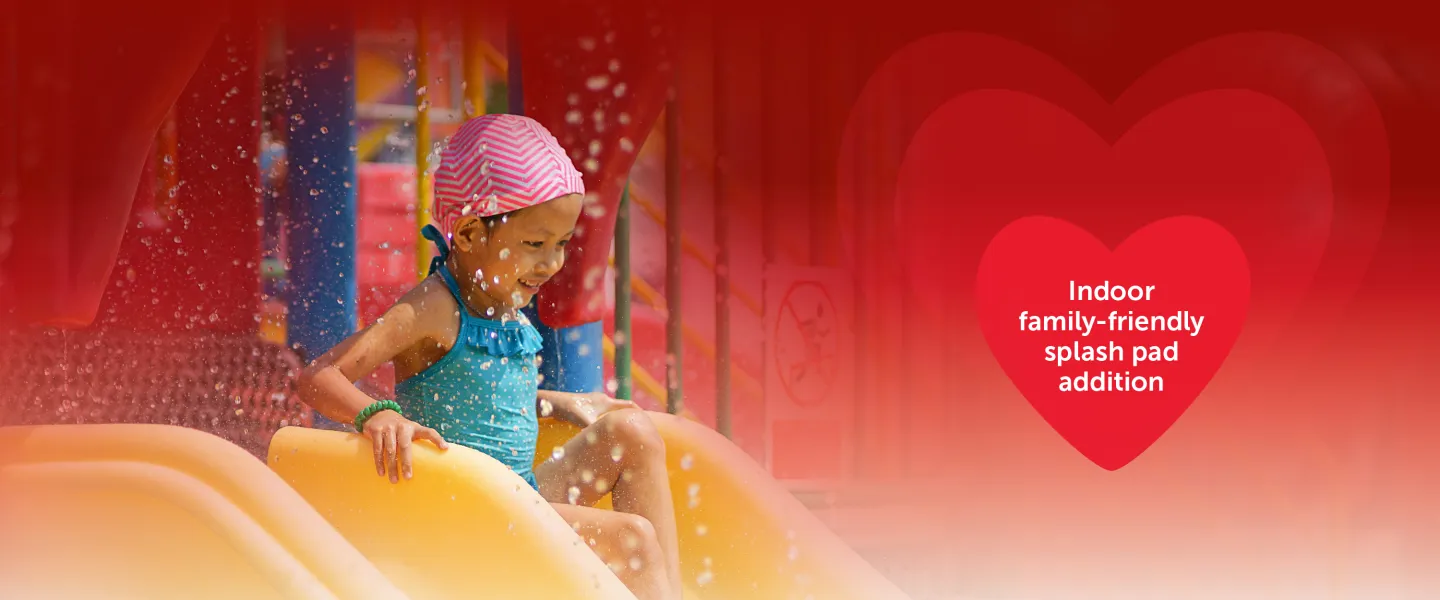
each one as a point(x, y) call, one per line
point(514, 254)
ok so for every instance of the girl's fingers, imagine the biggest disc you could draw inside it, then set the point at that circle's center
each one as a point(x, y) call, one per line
point(377, 439)
point(434, 437)
point(390, 455)
point(403, 437)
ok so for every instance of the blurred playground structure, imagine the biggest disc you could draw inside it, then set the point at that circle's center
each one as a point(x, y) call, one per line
point(278, 209)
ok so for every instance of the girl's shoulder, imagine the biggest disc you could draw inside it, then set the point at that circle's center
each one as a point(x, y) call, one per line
point(429, 304)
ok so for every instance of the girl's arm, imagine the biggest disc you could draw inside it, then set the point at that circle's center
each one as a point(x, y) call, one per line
point(327, 384)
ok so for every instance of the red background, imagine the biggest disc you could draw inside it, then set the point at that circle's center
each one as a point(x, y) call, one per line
point(1305, 470)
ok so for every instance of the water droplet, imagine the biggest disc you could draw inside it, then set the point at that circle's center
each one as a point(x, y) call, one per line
point(619, 90)
point(636, 563)
point(704, 578)
point(701, 530)
point(314, 192)
point(587, 44)
point(574, 117)
point(687, 461)
point(627, 145)
point(595, 147)
point(572, 99)
point(614, 65)
point(592, 166)
point(616, 452)
point(558, 453)
point(596, 83)
point(573, 494)
point(324, 129)
point(504, 253)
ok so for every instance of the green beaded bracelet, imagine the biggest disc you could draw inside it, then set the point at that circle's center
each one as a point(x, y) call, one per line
point(370, 411)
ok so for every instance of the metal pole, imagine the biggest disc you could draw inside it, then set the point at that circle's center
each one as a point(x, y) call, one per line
point(674, 260)
point(623, 345)
point(722, 241)
point(424, 191)
point(321, 182)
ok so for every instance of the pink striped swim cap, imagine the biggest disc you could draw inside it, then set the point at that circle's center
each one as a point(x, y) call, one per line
point(497, 164)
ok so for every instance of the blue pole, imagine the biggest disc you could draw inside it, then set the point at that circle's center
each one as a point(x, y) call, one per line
point(321, 182)
point(573, 358)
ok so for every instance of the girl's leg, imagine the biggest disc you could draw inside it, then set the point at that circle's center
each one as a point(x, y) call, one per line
point(621, 453)
point(627, 544)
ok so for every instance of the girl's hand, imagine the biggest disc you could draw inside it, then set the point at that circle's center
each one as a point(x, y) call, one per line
point(391, 434)
point(583, 409)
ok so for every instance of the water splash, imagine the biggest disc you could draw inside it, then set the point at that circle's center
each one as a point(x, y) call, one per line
point(596, 83)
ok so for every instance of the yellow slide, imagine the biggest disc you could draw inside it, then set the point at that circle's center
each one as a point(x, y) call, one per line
point(154, 511)
point(466, 525)
point(741, 534)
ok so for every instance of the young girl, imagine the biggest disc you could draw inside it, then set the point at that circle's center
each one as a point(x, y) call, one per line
point(507, 199)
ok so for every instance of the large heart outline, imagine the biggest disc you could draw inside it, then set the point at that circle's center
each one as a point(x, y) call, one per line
point(1235, 157)
point(1315, 83)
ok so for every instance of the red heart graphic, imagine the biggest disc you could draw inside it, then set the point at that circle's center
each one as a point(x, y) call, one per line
point(1111, 376)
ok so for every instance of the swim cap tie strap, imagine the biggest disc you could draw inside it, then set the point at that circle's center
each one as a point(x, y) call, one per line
point(433, 234)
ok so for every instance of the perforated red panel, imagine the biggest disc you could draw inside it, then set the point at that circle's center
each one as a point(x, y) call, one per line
point(239, 388)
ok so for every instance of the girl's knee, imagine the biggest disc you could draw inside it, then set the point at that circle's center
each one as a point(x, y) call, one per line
point(638, 536)
point(635, 429)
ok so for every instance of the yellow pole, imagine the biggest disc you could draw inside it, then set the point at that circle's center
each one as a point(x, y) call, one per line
point(473, 49)
point(168, 152)
point(424, 189)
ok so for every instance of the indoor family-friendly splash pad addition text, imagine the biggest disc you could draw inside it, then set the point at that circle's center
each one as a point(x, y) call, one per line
point(1093, 362)
point(1111, 345)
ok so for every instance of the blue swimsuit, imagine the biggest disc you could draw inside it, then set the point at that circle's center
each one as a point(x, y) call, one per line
point(482, 393)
